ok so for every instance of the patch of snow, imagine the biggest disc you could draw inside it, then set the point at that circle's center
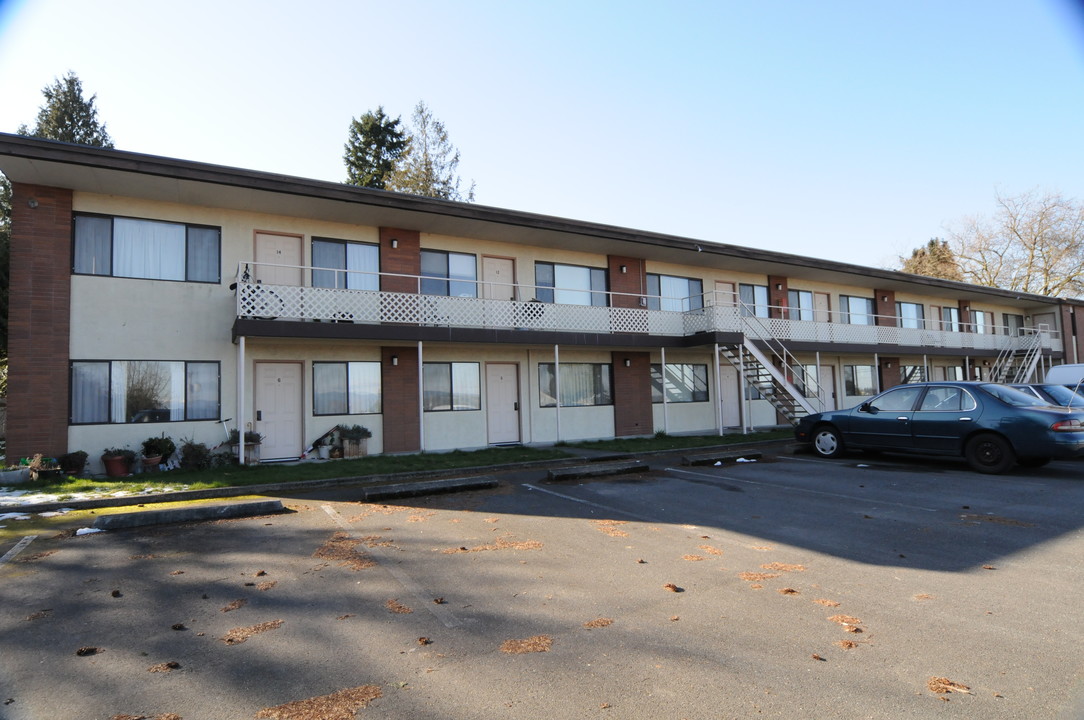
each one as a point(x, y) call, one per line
point(87, 531)
point(13, 516)
point(745, 460)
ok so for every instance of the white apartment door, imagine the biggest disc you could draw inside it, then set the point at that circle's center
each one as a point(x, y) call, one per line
point(278, 409)
point(827, 382)
point(730, 395)
point(278, 259)
point(498, 278)
point(502, 402)
point(821, 308)
point(724, 294)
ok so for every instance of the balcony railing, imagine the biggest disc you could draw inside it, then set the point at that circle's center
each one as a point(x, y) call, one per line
point(713, 312)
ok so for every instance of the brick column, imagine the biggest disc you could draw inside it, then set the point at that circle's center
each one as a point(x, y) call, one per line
point(404, 258)
point(632, 282)
point(38, 321)
point(884, 304)
point(402, 424)
point(778, 295)
point(632, 394)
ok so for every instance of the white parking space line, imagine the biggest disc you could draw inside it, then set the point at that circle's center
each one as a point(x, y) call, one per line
point(19, 547)
point(598, 506)
point(778, 486)
point(388, 563)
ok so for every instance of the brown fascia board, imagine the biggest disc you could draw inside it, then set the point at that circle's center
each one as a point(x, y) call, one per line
point(36, 151)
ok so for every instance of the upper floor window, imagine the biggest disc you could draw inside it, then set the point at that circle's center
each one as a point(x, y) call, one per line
point(800, 305)
point(346, 388)
point(1014, 324)
point(950, 319)
point(666, 292)
point(449, 273)
point(857, 310)
point(349, 264)
point(141, 391)
point(150, 249)
point(754, 300)
point(983, 321)
point(570, 284)
point(910, 315)
point(684, 383)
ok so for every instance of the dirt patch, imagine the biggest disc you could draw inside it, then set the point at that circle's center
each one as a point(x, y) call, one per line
point(825, 602)
point(845, 620)
point(241, 634)
point(611, 527)
point(537, 643)
point(501, 543)
point(341, 705)
point(370, 510)
point(265, 586)
point(943, 686)
point(757, 577)
point(165, 667)
point(235, 605)
point(923, 596)
point(163, 716)
point(692, 558)
point(38, 615)
point(35, 556)
point(421, 516)
point(341, 549)
point(846, 644)
point(783, 567)
point(788, 591)
point(395, 606)
point(598, 623)
point(971, 519)
point(711, 550)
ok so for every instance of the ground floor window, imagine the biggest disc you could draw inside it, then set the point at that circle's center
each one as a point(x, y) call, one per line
point(346, 388)
point(134, 391)
point(582, 385)
point(451, 386)
point(807, 380)
point(684, 383)
point(859, 380)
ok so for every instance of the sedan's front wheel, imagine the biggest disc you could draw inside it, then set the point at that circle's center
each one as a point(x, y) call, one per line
point(990, 454)
point(827, 442)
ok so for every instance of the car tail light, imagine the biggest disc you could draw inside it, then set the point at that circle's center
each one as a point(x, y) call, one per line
point(1068, 426)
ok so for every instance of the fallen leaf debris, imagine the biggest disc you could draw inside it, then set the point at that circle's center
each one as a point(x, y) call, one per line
point(239, 635)
point(533, 644)
point(341, 705)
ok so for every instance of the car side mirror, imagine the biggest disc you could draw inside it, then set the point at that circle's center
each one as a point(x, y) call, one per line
point(865, 407)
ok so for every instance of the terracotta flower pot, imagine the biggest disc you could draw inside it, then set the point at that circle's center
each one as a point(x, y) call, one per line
point(116, 466)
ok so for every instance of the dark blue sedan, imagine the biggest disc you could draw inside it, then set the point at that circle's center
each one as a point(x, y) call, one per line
point(992, 426)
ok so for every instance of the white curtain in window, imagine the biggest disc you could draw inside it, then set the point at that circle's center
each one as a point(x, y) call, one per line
point(329, 389)
point(176, 390)
point(203, 254)
point(572, 285)
point(90, 392)
point(202, 391)
point(118, 388)
point(92, 242)
point(364, 264)
point(466, 387)
point(148, 249)
point(364, 388)
point(674, 292)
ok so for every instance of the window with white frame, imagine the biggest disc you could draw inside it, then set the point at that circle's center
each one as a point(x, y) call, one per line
point(678, 294)
point(983, 322)
point(346, 388)
point(800, 305)
point(807, 380)
point(570, 284)
point(350, 265)
point(451, 386)
point(148, 249)
point(582, 384)
point(912, 373)
point(859, 380)
point(1014, 324)
point(857, 310)
point(754, 300)
point(449, 273)
point(685, 383)
point(910, 315)
point(143, 391)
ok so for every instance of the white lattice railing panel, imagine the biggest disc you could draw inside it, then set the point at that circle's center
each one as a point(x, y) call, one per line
point(255, 300)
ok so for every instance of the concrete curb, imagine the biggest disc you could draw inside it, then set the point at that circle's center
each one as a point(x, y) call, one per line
point(721, 457)
point(123, 521)
point(597, 469)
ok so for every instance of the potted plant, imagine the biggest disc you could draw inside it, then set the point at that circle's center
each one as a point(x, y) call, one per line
point(43, 468)
point(156, 450)
point(252, 445)
point(14, 475)
point(73, 463)
point(354, 440)
point(194, 455)
point(118, 461)
point(322, 448)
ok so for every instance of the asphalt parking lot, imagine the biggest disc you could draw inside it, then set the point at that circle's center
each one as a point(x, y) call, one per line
point(786, 588)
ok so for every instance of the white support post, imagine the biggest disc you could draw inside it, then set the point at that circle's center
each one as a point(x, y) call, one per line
point(240, 413)
point(421, 400)
point(718, 393)
point(557, 387)
point(877, 373)
point(665, 404)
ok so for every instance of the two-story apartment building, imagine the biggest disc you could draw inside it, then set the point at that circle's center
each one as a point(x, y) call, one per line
point(152, 295)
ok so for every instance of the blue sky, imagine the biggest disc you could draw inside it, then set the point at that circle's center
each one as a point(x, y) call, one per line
point(853, 131)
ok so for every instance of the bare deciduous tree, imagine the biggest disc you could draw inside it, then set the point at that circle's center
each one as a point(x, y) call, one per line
point(1034, 243)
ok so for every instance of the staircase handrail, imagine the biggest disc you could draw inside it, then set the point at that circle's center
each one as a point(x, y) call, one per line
point(779, 351)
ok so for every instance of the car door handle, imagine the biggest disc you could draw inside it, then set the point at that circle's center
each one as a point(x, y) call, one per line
point(904, 418)
point(965, 419)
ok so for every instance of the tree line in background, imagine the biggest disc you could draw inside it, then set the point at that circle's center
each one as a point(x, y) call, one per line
point(1033, 243)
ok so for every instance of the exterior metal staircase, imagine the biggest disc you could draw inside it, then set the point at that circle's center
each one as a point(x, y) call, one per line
point(1017, 365)
point(767, 367)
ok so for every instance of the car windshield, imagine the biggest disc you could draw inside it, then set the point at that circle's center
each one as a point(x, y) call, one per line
point(1012, 396)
